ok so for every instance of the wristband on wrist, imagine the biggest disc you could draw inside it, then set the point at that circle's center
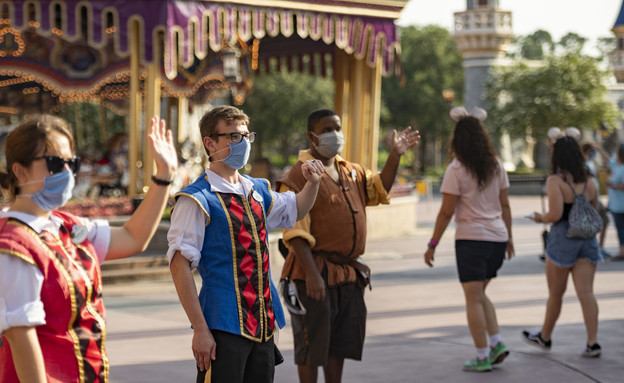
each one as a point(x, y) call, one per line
point(160, 182)
point(432, 243)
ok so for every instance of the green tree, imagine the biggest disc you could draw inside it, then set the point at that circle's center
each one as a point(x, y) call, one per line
point(536, 45)
point(432, 69)
point(605, 45)
point(561, 91)
point(572, 43)
point(278, 109)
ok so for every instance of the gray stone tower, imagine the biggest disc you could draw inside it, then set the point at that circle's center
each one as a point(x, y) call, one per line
point(483, 33)
point(616, 61)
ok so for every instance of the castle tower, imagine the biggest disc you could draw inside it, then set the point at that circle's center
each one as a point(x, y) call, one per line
point(483, 33)
point(616, 58)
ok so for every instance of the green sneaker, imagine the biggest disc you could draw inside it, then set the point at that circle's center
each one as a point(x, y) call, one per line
point(498, 353)
point(478, 365)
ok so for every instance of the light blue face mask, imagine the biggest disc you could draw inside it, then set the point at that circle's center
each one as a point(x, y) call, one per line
point(239, 154)
point(56, 191)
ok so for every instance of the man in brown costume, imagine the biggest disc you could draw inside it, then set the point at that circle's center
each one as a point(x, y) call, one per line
point(322, 269)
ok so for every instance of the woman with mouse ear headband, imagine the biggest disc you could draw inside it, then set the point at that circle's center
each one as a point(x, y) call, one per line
point(555, 133)
point(474, 190)
point(459, 112)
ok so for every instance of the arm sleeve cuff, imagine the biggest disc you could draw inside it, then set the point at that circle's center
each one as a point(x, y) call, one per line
point(375, 190)
point(294, 233)
point(189, 252)
point(29, 315)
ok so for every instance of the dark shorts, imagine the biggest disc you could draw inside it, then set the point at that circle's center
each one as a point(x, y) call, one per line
point(240, 360)
point(333, 327)
point(478, 260)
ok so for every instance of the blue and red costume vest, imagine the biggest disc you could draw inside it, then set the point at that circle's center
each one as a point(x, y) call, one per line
point(237, 293)
point(72, 339)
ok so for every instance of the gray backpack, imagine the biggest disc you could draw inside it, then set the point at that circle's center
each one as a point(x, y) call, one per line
point(584, 220)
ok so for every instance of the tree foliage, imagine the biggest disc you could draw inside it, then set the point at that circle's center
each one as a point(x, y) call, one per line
point(278, 109)
point(432, 66)
point(534, 46)
point(566, 90)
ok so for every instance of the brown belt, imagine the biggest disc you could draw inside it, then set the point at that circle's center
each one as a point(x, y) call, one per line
point(363, 272)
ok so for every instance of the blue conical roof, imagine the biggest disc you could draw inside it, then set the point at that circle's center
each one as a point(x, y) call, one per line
point(620, 18)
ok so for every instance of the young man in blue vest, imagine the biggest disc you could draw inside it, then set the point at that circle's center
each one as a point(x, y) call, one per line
point(220, 225)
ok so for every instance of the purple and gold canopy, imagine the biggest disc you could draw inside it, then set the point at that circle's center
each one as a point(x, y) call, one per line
point(192, 29)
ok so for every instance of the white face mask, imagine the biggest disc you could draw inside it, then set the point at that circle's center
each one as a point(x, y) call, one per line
point(330, 143)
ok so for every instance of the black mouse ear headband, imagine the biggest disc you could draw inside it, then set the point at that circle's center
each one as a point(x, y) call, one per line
point(459, 112)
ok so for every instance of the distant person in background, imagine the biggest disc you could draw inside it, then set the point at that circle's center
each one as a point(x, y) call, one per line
point(616, 197)
point(475, 190)
point(564, 256)
point(112, 174)
point(589, 152)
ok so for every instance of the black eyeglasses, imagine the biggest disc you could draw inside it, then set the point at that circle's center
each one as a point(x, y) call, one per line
point(238, 137)
point(56, 164)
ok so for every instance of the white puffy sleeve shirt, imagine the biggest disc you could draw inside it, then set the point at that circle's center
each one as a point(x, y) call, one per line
point(20, 282)
point(188, 221)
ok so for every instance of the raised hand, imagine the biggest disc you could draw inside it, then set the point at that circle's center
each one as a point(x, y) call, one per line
point(404, 140)
point(163, 150)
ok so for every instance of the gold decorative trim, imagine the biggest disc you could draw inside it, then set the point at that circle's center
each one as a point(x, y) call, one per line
point(194, 199)
point(260, 266)
point(326, 8)
point(21, 256)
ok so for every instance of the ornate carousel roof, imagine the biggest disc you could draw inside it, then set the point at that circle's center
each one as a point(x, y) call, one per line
point(75, 50)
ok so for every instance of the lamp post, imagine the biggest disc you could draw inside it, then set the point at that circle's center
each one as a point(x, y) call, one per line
point(231, 69)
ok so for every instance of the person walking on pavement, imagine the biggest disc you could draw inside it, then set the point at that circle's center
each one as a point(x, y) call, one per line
point(475, 190)
point(51, 309)
point(323, 267)
point(220, 225)
point(616, 197)
point(564, 256)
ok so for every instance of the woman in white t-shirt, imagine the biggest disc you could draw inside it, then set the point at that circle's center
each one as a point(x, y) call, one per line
point(474, 189)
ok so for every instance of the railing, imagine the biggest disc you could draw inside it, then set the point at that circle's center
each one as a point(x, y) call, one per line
point(483, 21)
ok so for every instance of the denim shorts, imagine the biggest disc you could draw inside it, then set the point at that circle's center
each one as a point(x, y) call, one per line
point(478, 260)
point(564, 251)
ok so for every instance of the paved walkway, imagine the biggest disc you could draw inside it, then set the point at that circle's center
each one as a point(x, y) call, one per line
point(416, 329)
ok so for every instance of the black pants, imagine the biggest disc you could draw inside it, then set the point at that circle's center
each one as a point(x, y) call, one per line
point(240, 360)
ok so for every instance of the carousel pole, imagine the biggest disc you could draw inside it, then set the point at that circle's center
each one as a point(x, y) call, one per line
point(152, 108)
point(374, 110)
point(135, 109)
point(342, 95)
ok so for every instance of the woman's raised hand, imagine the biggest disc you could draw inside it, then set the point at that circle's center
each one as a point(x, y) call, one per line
point(163, 149)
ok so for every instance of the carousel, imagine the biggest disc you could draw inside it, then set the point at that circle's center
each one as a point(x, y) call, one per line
point(143, 58)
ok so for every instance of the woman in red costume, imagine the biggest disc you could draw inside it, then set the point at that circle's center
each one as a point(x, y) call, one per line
point(51, 309)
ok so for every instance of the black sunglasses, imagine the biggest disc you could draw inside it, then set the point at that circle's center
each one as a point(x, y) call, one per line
point(56, 164)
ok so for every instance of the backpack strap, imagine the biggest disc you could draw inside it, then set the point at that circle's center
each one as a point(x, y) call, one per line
point(572, 187)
